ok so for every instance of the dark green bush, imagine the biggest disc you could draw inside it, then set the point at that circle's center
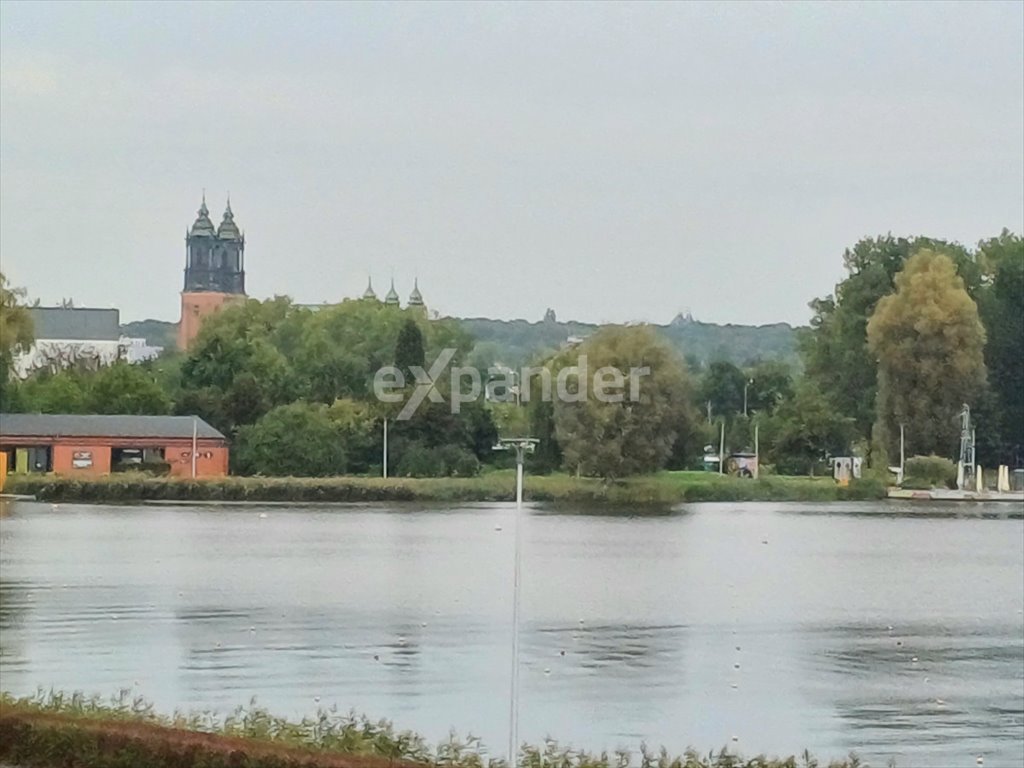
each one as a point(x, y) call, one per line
point(929, 472)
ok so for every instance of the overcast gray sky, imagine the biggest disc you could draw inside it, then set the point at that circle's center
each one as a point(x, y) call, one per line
point(614, 162)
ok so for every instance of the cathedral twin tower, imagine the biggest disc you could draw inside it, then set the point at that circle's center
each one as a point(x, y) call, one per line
point(215, 272)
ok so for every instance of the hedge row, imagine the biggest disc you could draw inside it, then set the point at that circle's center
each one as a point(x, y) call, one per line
point(496, 486)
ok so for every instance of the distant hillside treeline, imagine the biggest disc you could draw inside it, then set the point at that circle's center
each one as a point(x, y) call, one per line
point(516, 342)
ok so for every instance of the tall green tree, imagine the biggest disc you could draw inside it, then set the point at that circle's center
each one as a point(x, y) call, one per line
point(409, 348)
point(238, 366)
point(721, 386)
point(359, 427)
point(1001, 306)
point(771, 382)
point(804, 431)
point(631, 436)
point(124, 388)
point(297, 439)
point(835, 349)
point(929, 342)
point(46, 392)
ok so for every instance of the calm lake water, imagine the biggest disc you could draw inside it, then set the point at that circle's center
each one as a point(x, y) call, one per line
point(786, 626)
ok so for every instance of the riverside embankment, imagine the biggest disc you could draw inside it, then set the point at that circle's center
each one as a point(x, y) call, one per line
point(661, 488)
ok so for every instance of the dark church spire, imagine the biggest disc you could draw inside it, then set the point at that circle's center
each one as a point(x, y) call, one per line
point(228, 230)
point(416, 298)
point(369, 293)
point(202, 226)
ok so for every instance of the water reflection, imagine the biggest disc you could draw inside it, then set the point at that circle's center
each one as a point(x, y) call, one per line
point(933, 683)
point(897, 636)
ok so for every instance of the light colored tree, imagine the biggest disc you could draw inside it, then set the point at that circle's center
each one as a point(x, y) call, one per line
point(928, 341)
point(609, 438)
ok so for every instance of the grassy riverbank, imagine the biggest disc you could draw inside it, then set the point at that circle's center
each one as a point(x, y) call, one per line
point(662, 488)
point(54, 730)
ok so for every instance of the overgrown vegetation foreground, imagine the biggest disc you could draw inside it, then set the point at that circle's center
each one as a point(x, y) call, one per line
point(54, 729)
point(663, 488)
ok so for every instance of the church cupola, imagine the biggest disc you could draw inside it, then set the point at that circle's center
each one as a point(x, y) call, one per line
point(416, 298)
point(369, 293)
point(202, 226)
point(228, 230)
point(392, 299)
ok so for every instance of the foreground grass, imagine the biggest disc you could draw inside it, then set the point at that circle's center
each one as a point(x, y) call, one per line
point(661, 488)
point(55, 730)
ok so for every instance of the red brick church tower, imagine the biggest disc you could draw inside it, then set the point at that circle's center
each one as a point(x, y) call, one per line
point(214, 270)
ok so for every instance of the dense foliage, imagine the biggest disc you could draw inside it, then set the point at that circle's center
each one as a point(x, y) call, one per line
point(635, 433)
point(930, 472)
point(918, 327)
point(659, 490)
point(840, 363)
point(517, 342)
point(928, 341)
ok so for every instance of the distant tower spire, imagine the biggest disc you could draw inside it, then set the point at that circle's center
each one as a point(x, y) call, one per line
point(369, 293)
point(416, 298)
point(392, 299)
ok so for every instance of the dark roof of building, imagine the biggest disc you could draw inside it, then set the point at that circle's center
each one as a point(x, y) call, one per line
point(42, 424)
point(77, 323)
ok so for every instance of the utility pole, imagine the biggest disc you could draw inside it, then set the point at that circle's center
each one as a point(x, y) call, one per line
point(757, 450)
point(522, 446)
point(965, 465)
point(903, 455)
point(385, 456)
point(721, 450)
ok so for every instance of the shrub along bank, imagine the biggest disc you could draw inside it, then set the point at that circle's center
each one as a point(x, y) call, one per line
point(661, 488)
point(54, 730)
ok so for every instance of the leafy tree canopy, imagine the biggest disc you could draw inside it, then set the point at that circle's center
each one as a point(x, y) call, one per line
point(929, 343)
point(834, 349)
point(617, 439)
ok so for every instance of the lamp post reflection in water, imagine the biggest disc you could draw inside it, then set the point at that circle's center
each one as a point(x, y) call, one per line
point(522, 446)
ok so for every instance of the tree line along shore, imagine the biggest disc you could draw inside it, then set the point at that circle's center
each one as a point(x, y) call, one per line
point(917, 328)
point(663, 488)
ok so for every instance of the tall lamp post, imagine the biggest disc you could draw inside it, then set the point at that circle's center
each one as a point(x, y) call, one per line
point(522, 446)
point(747, 384)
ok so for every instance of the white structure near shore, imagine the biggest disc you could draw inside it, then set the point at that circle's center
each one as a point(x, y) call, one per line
point(78, 337)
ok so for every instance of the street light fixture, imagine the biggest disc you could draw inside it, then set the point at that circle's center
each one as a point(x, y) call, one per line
point(747, 384)
point(522, 446)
